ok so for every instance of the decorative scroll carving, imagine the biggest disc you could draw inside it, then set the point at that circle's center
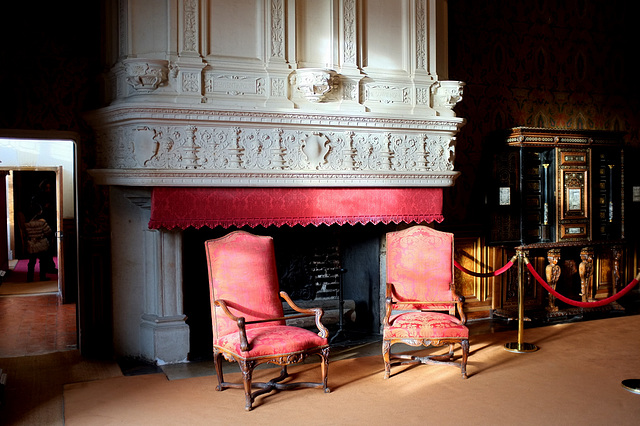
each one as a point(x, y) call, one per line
point(421, 35)
point(259, 149)
point(190, 29)
point(349, 47)
point(277, 29)
point(342, 151)
point(190, 82)
point(278, 86)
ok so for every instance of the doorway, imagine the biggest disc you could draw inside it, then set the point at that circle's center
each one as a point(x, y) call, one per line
point(33, 198)
point(42, 172)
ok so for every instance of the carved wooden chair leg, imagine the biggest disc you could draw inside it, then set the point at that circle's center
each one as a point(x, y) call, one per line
point(217, 362)
point(247, 373)
point(386, 347)
point(324, 368)
point(451, 350)
point(465, 355)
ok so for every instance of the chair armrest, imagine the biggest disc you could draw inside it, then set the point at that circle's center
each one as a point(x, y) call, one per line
point(459, 305)
point(318, 312)
point(244, 342)
point(388, 303)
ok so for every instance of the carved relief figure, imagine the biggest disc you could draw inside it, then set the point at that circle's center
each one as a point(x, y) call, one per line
point(553, 275)
point(585, 270)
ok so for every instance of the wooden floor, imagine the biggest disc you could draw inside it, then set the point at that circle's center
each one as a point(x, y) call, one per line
point(36, 324)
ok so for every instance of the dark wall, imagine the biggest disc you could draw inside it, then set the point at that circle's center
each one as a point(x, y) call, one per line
point(50, 76)
point(539, 63)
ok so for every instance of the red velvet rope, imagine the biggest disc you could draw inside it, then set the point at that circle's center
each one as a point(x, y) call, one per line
point(502, 270)
point(602, 302)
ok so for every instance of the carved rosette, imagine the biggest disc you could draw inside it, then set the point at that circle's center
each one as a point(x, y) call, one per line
point(146, 75)
point(315, 84)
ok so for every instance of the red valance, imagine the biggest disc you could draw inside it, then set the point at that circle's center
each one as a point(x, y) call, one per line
point(179, 207)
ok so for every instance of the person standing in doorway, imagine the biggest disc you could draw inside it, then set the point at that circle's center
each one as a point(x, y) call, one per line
point(38, 234)
point(46, 198)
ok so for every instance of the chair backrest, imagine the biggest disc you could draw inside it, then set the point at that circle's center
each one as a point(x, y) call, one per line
point(242, 272)
point(420, 265)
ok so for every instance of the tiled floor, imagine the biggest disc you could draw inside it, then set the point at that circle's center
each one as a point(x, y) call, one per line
point(36, 324)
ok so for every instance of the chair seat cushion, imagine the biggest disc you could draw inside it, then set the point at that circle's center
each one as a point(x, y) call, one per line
point(270, 341)
point(425, 325)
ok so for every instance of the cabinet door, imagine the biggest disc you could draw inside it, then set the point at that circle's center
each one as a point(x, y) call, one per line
point(573, 198)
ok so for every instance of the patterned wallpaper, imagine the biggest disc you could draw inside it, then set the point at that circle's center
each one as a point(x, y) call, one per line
point(542, 63)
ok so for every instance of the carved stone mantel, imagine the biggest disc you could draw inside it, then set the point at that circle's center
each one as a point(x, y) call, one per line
point(180, 146)
point(269, 93)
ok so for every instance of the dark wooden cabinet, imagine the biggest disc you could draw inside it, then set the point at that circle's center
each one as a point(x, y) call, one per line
point(560, 195)
point(555, 185)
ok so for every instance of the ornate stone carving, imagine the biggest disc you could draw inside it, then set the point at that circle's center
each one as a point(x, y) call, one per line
point(421, 35)
point(446, 94)
point(315, 83)
point(342, 151)
point(315, 147)
point(145, 146)
point(146, 75)
point(190, 82)
point(387, 94)
point(349, 51)
point(277, 29)
point(234, 85)
point(190, 26)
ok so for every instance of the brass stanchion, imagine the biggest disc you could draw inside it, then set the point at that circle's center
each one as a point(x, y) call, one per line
point(520, 346)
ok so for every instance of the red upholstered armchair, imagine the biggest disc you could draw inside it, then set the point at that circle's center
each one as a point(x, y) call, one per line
point(420, 298)
point(247, 316)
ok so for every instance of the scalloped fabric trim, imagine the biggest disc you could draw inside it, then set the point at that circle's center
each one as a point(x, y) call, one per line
point(180, 207)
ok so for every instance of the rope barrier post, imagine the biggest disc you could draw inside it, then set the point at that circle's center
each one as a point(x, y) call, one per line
point(520, 346)
point(632, 385)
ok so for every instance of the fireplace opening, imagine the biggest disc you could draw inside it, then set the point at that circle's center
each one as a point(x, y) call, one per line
point(309, 261)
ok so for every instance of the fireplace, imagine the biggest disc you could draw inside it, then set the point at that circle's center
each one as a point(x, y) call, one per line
point(293, 118)
point(309, 261)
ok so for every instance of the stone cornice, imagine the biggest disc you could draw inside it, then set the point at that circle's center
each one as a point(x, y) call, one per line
point(198, 178)
point(159, 113)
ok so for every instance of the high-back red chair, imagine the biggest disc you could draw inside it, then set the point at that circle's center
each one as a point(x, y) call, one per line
point(421, 301)
point(247, 315)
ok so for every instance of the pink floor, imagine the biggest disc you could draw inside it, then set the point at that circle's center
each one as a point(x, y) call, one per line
point(19, 272)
